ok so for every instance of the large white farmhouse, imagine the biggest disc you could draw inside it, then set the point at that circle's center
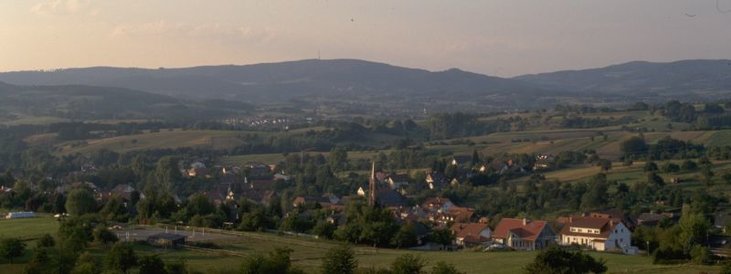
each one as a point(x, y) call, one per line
point(598, 233)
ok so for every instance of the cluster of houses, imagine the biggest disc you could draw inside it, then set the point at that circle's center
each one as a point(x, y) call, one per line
point(601, 231)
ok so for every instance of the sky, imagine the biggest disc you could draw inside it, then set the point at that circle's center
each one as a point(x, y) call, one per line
point(495, 37)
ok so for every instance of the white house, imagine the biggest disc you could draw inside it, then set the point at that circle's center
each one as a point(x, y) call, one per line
point(601, 234)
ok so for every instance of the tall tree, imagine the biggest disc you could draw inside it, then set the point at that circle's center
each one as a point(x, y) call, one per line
point(634, 146)
point(442, 236)
point(80, 201)
point(338, 159)
point(121, 257)
point(152, 264)
point(693, 228)
point(167, 174)
point(85, 264)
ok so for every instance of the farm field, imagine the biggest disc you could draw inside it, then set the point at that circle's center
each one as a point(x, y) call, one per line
point(166, 139)
point(277, 157)
point(307, 253)
point(29, 228)
point(626, 173)
point(547, 141)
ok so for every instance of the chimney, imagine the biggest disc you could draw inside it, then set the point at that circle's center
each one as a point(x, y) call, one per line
point(525, 221)
point(571, 219)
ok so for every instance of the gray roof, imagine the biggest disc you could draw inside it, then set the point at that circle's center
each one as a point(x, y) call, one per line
point(167, 236)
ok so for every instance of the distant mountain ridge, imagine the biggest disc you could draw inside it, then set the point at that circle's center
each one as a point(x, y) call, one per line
point(273, 82)
point(686, 79)
point(369, 85)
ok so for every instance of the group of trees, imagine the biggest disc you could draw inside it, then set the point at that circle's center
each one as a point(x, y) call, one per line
point(666, 148)
point(339, 260)
point(710, 116)
point(681, 242)
point(120, 258)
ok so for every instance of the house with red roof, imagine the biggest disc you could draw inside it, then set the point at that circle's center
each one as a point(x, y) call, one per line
point(598, 233)
point(471, 234)
point(524, 234)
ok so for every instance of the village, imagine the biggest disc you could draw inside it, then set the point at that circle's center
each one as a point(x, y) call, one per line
point(604, 230)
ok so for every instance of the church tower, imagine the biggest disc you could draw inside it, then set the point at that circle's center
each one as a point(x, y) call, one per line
point(372, 182)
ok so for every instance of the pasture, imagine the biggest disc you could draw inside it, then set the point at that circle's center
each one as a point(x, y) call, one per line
point(28, 228)
point(307, 253)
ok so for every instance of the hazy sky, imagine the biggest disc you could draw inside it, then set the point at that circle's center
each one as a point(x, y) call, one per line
point(504, 38)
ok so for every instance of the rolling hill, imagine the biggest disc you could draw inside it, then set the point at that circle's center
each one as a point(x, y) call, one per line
point(701, 80)
point(308, 80)
point(92, 102)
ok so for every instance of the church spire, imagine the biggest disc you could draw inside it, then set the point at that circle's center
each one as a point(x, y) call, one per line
point(372, 181)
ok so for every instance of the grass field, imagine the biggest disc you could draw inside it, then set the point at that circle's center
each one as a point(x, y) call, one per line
point(278, 157)
point(158, 140)
point(29, 228)
point(720, 138)
point(308, 253)
point(631, 173)
point(32, 120)
point(165, 139)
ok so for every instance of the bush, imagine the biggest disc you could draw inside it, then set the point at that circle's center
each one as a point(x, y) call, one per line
point(444, 268)
point(407, 264)
point(668, 256)
point(558, 260)
point(11, 248)
point(701, 255)
point(339, 260)
point(650, 166)
point(689, 165)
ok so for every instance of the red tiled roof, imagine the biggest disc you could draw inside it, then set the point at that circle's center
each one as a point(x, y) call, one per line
point(529, 231)
point(461, 214)
point(435, 202)
point(470, 232)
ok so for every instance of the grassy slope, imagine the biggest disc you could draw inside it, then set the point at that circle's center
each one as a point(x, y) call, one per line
point(216, 139)
point(309, 252)
point(558, 141)
point(28, 230)
point(175, 138)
